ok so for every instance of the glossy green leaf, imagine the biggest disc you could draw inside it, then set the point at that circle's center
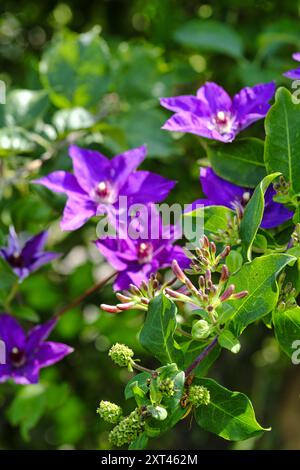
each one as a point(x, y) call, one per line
point(287, 329)
point(253, 215)
point(229, 414)
point(241, 162)
point(259, 279)
point(211, 36)
point(228, 341)
point(7, 280)
point(157, 335)
point(282, 146)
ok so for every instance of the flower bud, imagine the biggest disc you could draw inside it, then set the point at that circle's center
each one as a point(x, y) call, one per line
point(109, 412)
point(128, 429)
point(201, 329)
point(227, 293)
point(167, 387)
point(178, 272)
point(110, 308)
point(121, 355)
point(199, 395)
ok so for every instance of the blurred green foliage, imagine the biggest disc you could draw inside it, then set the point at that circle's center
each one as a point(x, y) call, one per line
point(92, 73)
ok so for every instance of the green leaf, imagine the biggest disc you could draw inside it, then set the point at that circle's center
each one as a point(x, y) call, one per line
point(7, 280)
point(234, 261)
point(75, 69)
point(241, 162)
point(158, 331)
point(211, 36)
point(139, 380)
point(140, 443)
point(215, 218)
point(228, 341)
point(67, 120)
point(253, 215)
point(27, 408)
point(229, 414)
point(259, 279)
point(287, 328)
point(24, 107)
point(15, 140)
point(282, 145)
point(158, 412)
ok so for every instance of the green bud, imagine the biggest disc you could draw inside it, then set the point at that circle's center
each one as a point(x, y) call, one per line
point(199, 395)
point(167, 387)
point(201, 329)
point(121, 355)
point(128, 429)
point(110, 412)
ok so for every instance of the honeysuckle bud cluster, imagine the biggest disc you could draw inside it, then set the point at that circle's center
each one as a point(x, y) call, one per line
point(206, 257)
point(128, 429)
point(121, 355)
point(166, 387)
point(198, 395)
point(136, 297)
point(230, 235)
point(109, 412)
point(207, 296)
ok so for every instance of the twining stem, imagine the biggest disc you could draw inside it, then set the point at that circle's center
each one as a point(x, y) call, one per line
point(201, 356)
point(85, 294)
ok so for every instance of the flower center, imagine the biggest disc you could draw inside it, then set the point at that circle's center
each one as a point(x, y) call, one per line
point(223, 122)
point(245, 198)
point(104, 192)
point(16, 260)
point(17, 357)
point(145, 252)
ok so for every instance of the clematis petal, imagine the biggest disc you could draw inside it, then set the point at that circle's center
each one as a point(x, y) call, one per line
point(251, 104)
point(188, 103)
point(5, 372)
point(214, 98)
point(275, 213)
point(38, 334)
point(144, 186)
point(188, 122)
point(293, 74)
point(11, 332)
point(61, 182)
point(14, 245)
point(34, 245)
point(49, 353)
point(124, 164)
point(43, 258)
point(26, 375)
point(218, 190)
point(90, 167)
point(76, 212)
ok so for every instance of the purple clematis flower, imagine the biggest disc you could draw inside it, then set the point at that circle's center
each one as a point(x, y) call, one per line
point(220, 192)
point(295, 73)
point(26, 258)
point(136, 257)
point(25, 353)
point(213, 114)
point(97, 183)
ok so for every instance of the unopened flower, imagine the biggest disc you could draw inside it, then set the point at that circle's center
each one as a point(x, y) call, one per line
point(199, 395)
point(220, 192)
point(109, 412)
point(128, 430)
point(27, 353)
point(201, 329)
point(121, 355)
point(97, 183)
point(25, 258)
point(166, 387)
point(294, 74)
point(214, 115)
point(205, 256)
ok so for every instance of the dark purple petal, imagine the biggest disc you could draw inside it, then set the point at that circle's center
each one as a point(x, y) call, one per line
point(145, 187)
point(293, 74)
point(251, 104)
point(38, 334)
point(13, 242)
point(274, 213)
point(178, 254)
point(90, 167)
point(188, 122)
point(119, 253)
point(76, 212)
point(136, 275)
point(214, 98)
point(187, 103)
point(198, 204)
point(11, 332)
point(5, 372)
point(34, 245)
point(49, 353)
point(124, 164)
point(218, 190)
point(26, 375)
point(22, 273)
point(61, 182)
point(43, 258)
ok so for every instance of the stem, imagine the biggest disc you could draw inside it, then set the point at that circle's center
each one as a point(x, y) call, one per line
point(201, 356)
point(142, 369)
point(85, 294)
point(183, 333)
